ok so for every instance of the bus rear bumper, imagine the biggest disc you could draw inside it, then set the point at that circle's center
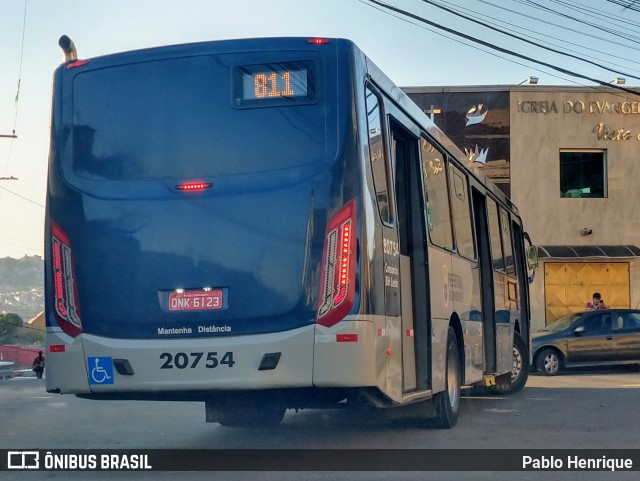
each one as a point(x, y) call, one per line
point(66, 369)
point(90, 364)
point(345, 355)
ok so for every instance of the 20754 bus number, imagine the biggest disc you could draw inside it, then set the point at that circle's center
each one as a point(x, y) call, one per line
point(182, 360)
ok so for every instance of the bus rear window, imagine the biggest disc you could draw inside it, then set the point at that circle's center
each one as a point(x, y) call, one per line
point(177, 118)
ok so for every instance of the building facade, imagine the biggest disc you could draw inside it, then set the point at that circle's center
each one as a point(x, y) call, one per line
point(569, 157)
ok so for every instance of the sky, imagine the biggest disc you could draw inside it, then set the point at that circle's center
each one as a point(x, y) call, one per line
point(410, 52)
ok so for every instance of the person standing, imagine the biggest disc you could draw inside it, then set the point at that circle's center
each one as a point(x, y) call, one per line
point(38, 365)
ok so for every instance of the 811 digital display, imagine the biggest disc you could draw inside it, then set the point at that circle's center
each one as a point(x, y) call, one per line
point(274, 84)
point(269, 84)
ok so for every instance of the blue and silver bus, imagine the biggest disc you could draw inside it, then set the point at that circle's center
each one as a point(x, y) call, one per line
point(271, 224)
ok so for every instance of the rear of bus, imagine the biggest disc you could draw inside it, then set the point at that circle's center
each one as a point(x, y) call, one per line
point(202, 218)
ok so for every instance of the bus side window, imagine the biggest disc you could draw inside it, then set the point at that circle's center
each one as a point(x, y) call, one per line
point(507, 245)
point(436, 195)
point(462, 214)
point(377, 155)
point(494, 233)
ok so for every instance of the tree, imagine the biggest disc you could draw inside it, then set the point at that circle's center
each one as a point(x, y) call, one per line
point(29, 337)
point(10, 327)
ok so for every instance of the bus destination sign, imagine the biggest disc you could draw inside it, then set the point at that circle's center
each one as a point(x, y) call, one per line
point(268, 84)
point(274, 84)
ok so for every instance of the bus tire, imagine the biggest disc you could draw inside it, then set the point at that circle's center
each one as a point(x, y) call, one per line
point(447, 402)
point(254, 417)
point(520, 369)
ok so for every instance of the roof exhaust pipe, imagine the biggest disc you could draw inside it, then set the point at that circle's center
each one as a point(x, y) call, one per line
point(68, 49)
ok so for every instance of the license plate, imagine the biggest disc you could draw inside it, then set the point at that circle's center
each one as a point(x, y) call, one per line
point(195, 300)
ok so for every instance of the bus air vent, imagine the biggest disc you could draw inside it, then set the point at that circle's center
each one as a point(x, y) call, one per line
point(123, 367)
point(269, 361)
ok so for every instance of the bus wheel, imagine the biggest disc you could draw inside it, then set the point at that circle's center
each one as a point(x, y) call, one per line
point(447, 402)
point(520, 370)
point(255, 416)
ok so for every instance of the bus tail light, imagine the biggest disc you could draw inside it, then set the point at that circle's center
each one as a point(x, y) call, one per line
point(65, 292)
point(337, 282)
point(77, 63)
point(319, 41)
point(193, 186)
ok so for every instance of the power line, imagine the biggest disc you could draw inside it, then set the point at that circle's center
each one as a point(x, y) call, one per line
point(617, 33)
point(501, 49)
point(522, 39)
point(19, 249)
point(475, 47)
point(563, 27)
point(540, 34)
point(21, 196)
point(488, 52)
point(24, 25)
point(13, 135)
point(2, 237)
point(593, 13)
point(628, 5)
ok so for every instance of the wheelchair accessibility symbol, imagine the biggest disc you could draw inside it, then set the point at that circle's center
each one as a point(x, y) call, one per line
point(100, 370)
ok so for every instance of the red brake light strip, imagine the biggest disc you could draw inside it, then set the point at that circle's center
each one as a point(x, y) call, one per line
point(77, 63)
point(319, 41)
point(192, 186)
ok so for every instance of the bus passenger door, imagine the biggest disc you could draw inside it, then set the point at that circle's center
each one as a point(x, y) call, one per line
point(486, 280)
point(413, 259)
point(522, 277)
point(387, 268)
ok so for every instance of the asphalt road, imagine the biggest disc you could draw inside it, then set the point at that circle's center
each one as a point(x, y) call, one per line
point(580, 410)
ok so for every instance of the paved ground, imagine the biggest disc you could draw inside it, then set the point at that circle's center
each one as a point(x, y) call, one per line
point(580, 410)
